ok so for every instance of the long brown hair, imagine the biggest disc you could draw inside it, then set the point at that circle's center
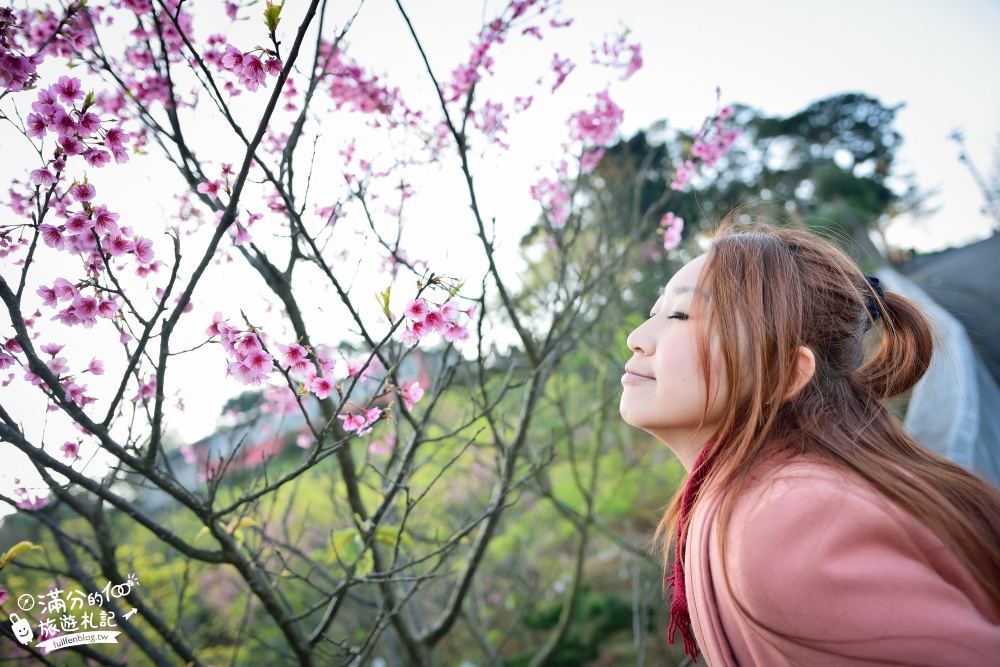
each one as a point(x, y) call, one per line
point(775, 289)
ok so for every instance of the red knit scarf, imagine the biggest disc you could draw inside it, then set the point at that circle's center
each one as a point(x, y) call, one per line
point(680, 616)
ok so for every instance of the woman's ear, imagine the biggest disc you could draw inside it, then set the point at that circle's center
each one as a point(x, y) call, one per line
point(805, 368)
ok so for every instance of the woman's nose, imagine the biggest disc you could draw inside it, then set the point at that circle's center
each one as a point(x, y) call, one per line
point(639, 340)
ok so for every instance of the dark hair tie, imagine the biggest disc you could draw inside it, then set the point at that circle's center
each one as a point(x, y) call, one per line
point(873, 304)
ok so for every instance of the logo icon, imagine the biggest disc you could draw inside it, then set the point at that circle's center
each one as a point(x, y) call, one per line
point(21, 628)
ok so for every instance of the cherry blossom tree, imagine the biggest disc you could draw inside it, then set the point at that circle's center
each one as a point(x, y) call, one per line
point(266, 155)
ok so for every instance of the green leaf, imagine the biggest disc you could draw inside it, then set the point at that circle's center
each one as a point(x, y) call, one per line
point(347, 546)
point(272, 15)
point(389, 536)
point(383, 298)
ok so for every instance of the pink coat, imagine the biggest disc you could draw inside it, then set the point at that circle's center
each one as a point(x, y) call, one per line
point(815, 553)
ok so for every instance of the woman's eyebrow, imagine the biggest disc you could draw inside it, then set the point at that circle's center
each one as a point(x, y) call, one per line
point(683, 289)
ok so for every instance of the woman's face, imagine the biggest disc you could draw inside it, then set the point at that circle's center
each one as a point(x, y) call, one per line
point(663, 389)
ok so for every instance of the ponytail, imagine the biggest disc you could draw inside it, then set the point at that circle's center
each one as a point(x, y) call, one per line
point(904, 353)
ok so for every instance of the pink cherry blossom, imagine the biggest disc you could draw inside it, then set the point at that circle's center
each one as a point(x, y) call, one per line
point(590, 159)
point(380, 447)
point(105, 221)
point(97, 158)
point(449, 310)
point(218, 325)
point(48, 296)
point(353, 422)
point(562, 69)
point(553, 195)
point(411, 394)
point(64, 125)
point(683, 174)
point(247, 344)
point(71, 450)
point(12, 346)
point(35, 125)
point(293, 354)
point(259, 361)
point(77, 394)
point(51, 348)
point(232, 59)
point(52, 237)
point(85, 307)
point(83, 192)
point(31, 377)
point(455, 332)
point(96, 366)
point(143, 250)
point(65, 290)
point(78, 223)
point(59, 365)
point(671, 227)
point(89, 123)
point(72, 146)
point(120, 244)
point(416, 310)
point(107, 308)
point(240, 235)
point(210, 188)
point(116, 138)
point(6, 361)
point(434, 321)
point(321, 386)
point(43, 177)
point(147, 392)
point(409, 338)
point(354, 367)
point(597, 127)
point(253, 73)
point(69, 89)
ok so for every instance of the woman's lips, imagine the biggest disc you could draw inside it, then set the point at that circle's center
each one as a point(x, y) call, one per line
point(635, 377)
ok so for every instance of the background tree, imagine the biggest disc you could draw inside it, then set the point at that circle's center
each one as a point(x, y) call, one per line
point(383, 532)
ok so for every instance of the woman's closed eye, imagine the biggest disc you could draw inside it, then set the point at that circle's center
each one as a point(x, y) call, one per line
point(677, 316)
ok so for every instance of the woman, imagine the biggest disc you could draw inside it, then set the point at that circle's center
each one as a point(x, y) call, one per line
point(812, 530)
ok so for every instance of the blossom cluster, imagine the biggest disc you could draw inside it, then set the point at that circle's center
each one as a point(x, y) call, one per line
point(422, 321)
point(710, 145)
point(146, 393)
point(50, 33)
point(362, 421)
point(77, 130)
point(249, 68)
point(59, 366)
point(82, 309)
point(616, 52)
point(480, 61)
point(671, 227)
point(17, 71)
point(553, 195)
point(249, 364)
point(597, 127)
point(593, 130)
point(352, 87)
